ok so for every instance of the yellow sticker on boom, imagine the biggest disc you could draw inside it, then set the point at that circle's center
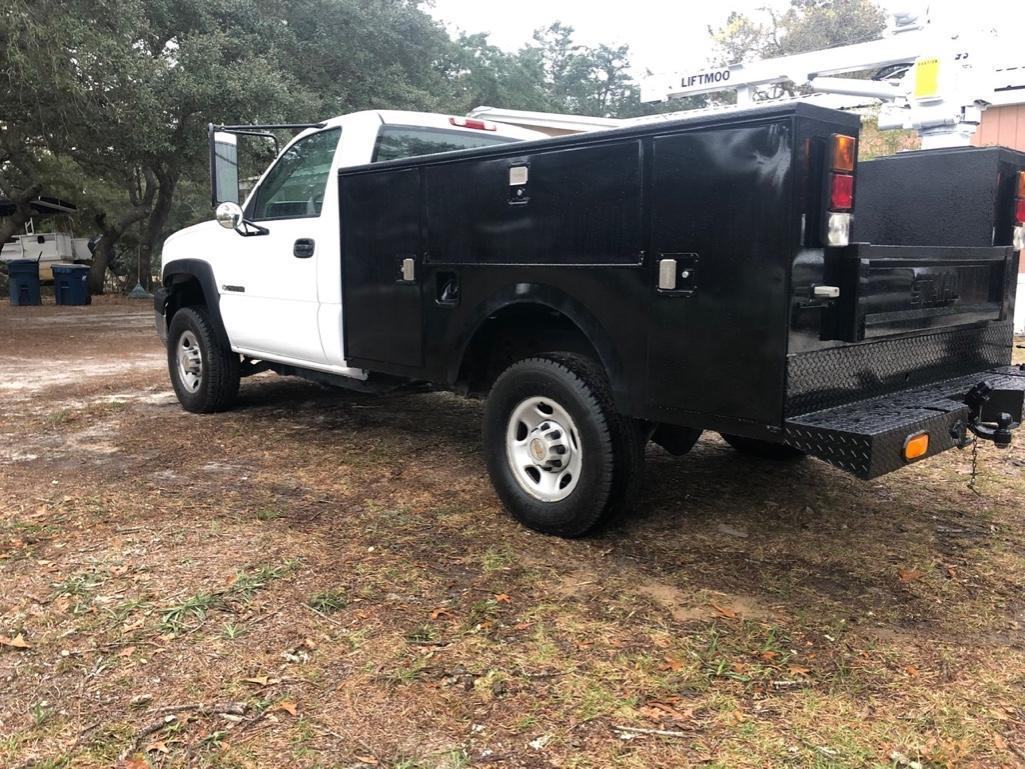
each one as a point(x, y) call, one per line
point(927, 78)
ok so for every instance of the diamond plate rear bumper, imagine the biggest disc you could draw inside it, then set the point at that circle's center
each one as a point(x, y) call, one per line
point(866, 438)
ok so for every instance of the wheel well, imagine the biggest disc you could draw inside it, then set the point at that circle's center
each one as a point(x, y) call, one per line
point(513, 333)
point(183, 291)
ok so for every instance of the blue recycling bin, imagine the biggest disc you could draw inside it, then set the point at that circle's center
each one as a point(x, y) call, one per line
point(24, 281)
point(71, 283)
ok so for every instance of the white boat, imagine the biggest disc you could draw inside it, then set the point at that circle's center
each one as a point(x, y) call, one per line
point(48, 248)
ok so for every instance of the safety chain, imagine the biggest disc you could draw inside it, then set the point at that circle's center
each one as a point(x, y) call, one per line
point(972, 483)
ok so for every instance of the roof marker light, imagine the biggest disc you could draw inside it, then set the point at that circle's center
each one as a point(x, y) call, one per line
point(472, 122)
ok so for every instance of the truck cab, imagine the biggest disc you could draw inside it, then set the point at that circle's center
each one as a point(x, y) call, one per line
point(277, 291)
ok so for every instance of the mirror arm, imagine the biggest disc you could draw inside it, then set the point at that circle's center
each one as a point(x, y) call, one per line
point(249, 229)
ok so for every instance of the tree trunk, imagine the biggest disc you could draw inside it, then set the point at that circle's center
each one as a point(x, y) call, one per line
point(22, 211)
point(142, 203)
point(105, 246)
point(155, 226)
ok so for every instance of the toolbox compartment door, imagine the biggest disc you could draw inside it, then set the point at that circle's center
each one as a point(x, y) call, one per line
point(891, 290)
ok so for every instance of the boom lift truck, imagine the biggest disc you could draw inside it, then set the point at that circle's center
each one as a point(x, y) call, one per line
point(929, 75)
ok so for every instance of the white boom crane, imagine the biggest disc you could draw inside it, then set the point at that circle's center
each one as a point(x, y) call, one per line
point(932, 77)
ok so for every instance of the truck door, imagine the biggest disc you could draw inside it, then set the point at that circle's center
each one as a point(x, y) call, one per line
point(716, 337)
point(268, 283)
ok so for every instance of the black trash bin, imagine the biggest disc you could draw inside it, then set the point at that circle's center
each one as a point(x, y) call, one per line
point(71, 283)
point(24, 281)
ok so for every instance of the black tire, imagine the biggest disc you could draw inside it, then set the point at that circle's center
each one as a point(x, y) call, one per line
point(611, 446)
point(218, 380)
point(763, 449)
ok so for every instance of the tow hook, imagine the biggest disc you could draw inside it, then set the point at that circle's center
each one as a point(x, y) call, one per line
point(987, 423)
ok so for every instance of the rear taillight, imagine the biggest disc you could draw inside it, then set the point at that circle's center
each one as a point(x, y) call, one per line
point(472, 122)
point(843, 152)
point(841, 193)
point(1019, 214)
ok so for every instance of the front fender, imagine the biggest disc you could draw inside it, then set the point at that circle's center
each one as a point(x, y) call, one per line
point(180, 273)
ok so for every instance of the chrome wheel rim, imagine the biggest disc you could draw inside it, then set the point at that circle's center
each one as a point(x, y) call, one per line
point(543, 449)
point(190, 361)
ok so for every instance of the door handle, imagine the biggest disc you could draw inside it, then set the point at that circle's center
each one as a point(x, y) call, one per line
point(303, 248)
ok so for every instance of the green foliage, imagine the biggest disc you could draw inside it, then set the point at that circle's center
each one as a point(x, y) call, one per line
point(106, 102)
point(807, 25)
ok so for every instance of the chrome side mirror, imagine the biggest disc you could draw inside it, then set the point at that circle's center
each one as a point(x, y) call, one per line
point(229, 215)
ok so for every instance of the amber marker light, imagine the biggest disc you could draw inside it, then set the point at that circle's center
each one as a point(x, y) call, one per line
point(844, 152)
point(916, 446)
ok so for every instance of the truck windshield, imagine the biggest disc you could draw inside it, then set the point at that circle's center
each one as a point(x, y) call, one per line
point(394, 142)
point(294, 187)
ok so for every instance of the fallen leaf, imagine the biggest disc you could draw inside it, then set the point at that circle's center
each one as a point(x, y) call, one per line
point(159, 746)
point(128, 651)
point(658, 711)
point(912, 671)
point(909, 575)
point(768, 655)
point(309, 643)
point(367, 760)
point(540, 742)
point(797, 670)
point(951, 572)
point(18, 642)
point(724, 611)
point(502, 598)
point(137, 762)
point(288, 706)
point(672, 663)
point(437, 613)
point(261, 680)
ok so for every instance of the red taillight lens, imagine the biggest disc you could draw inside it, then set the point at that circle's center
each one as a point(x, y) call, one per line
point(841, 192)
point(471, 122)
point(1019, 211)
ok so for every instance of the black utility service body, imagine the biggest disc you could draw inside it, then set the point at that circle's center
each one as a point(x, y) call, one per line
point(689, 254)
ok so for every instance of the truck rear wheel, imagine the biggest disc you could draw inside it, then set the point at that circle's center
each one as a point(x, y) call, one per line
point(559, 455)
point(204, 374)
point(762, 449)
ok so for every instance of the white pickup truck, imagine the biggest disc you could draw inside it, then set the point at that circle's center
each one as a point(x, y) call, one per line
point(279, 295)
point(606, 289)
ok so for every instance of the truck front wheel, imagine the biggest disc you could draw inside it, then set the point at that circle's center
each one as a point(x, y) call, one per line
point(558, 454)
point(204, 374)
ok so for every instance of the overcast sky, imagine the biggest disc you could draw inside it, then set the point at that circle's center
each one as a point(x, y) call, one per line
point(663, 35)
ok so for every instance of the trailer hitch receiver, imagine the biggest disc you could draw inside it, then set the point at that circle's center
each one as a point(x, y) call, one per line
point(994, 413)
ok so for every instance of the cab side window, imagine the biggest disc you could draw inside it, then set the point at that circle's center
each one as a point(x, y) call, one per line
point(294, 187)
point(394, 142)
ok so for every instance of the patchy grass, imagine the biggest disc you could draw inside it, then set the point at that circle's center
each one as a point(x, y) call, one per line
point(322, 579)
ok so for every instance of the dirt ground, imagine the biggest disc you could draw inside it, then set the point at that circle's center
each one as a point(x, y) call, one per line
point(318, 579)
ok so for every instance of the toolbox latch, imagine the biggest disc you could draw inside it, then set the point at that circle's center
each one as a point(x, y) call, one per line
point(678, 273)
